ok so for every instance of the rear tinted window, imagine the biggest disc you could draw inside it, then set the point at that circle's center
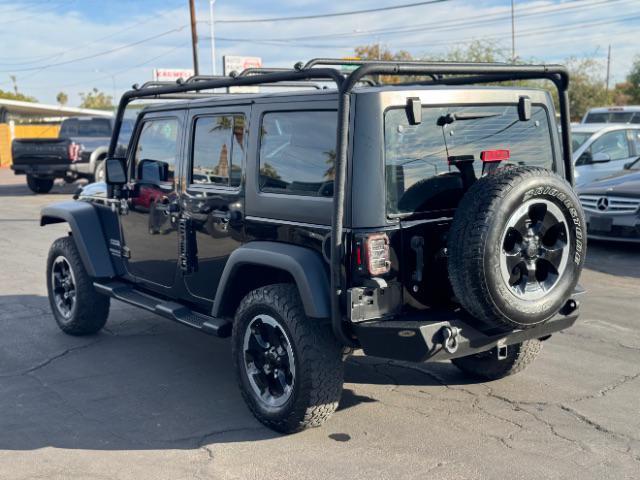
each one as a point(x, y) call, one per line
point(419, 176)
point(612, 117)
point(95, 127)
point(218, 144)
point(298, 152)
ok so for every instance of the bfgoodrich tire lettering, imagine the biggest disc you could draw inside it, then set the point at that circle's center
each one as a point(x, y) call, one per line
point(316, 386)
point(479, 242)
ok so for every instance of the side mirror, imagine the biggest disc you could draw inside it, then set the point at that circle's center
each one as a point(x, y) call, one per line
point(600, 157)
point(115, 171)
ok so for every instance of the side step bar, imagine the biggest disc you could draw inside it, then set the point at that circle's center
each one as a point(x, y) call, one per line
point(171, 310)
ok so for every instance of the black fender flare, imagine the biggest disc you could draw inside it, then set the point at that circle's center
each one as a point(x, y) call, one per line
point(87, 232)
point(306, 266)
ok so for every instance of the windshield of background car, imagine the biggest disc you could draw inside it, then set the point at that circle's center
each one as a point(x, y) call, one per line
point(95, 127)
point(612, 117)
point(417, 155)
point(578, 139)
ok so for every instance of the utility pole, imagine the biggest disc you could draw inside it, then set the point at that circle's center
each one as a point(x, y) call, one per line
point(213, 39)
point(194, 37)
point(513, 32)
point(608, 68)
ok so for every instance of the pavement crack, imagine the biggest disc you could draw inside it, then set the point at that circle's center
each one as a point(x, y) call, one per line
point(50, 360)
point(609, 388)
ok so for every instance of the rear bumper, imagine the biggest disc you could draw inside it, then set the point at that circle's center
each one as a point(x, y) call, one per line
point(55, 170)
point(425, 340)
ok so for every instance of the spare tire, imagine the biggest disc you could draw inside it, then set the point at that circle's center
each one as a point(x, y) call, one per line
point(516, 247)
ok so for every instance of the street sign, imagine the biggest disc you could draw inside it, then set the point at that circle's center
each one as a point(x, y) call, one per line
point(234, 63)
point(171, 74)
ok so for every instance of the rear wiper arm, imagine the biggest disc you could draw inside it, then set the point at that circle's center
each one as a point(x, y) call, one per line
point(450, 118)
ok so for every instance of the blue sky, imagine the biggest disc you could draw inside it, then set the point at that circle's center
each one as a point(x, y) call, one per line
point(60, 45)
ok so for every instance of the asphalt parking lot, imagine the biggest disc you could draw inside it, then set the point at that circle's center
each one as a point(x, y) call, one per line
point(150, 399)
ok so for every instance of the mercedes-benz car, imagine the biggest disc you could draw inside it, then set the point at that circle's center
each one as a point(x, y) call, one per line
point(612, 206)
point(602, 150)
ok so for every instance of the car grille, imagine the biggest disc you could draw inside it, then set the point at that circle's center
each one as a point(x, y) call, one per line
point(606, 204)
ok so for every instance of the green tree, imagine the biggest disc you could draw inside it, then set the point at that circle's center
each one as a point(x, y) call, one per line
point(16, 95)
point(587, 87)
point(96, 99)
point(631, 88)
point(62, 98)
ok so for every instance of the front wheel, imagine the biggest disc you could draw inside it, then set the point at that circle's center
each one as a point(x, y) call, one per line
point(289, 367)
point(77, 308)
point(39, 185)
point(99, 173)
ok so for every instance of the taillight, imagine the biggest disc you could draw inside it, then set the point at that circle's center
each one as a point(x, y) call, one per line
point(74, 151)
point(495, 155)
point(377, 253)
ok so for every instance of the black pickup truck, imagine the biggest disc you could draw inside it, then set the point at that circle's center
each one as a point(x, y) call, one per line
point(78, 152)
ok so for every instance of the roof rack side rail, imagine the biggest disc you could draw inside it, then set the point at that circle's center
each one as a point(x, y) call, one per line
point(355, 62)
point(261, 70)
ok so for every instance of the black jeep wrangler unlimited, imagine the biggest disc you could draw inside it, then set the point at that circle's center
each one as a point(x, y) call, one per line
point(427, 220)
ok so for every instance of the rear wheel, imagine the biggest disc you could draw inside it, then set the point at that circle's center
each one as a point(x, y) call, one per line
point(487, 366)
point(77, 308)
point(289, 367)
point(39, 185)
point(516, 247)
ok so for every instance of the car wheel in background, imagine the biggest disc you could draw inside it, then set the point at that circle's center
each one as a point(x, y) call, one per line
point(39, 185)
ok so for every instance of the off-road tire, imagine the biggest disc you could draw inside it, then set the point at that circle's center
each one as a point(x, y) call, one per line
point(91, 308)
point(487, 366)
point(39, 185)
point(475, 246)
point(318, 358)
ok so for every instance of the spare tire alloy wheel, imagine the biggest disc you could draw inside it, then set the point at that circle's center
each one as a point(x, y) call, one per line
point(269, 361)
point(516, 247)
point(535, 249)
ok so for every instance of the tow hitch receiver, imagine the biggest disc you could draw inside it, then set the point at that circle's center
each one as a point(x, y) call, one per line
point(447, 335)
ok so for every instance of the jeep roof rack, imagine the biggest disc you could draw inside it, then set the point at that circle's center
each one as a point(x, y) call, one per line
point(440, 72)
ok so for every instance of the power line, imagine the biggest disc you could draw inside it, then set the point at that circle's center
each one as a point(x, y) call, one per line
point(330, 15)
point(99, 54)
point(61, 53)
point(522, 33)
point(435, 26)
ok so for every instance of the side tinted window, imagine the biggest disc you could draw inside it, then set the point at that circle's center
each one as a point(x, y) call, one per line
point(613, 144)
point(157, 150)
point(218, 148)
point(298, 152)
